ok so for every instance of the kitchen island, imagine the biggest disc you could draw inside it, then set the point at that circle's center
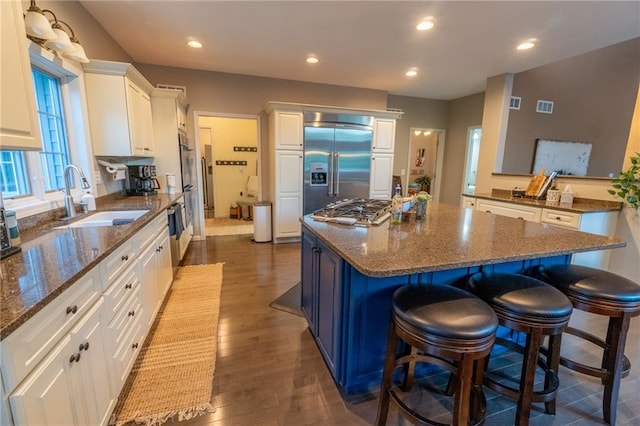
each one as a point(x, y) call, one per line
point(350, 273)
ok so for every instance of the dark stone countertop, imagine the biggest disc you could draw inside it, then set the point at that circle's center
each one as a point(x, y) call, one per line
point(579, 205)
point(450, 238)
point(54, 259)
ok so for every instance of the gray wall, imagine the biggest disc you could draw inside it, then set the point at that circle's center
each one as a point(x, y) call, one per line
point(594, 95)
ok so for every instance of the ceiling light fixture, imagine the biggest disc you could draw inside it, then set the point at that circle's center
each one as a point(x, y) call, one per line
point(529, 44)
point(195, 44)
point(417, 132)
point(412, 72)
point(425, 24)
point(312, 60)
point(51, 35)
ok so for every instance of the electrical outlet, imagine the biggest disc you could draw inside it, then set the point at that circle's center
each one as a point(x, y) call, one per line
point(97, 178)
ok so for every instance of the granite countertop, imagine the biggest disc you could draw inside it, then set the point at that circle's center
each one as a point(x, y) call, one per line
point(54, 259)
point(449, 238)
point(579, 205)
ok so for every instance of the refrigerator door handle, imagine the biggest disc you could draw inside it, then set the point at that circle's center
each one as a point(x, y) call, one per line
point(330, 189)
point(337, 172)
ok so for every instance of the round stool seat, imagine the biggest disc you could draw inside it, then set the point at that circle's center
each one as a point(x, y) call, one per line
point(593, 284)
point(523, 298)
point(438, 310)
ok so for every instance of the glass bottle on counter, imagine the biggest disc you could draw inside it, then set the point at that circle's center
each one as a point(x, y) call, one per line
point(396, 207)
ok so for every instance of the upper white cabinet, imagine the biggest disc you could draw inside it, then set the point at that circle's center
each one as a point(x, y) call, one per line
point(287, 206)
point(288, 129)
point(384, 135)
point(19, 128)
point(119, 103)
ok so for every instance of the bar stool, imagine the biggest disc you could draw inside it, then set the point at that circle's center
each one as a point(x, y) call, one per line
point(527, 305)
point(602, 293)
point(445, 326)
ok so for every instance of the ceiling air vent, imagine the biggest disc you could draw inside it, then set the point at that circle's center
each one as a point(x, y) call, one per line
point(182, 89)
point(514, 102)
point(545, 107)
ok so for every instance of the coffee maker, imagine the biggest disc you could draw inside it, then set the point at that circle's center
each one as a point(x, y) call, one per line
point(141, 180)
point(6, 248)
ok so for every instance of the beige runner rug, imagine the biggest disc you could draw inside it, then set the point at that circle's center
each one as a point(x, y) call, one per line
point(172, 378)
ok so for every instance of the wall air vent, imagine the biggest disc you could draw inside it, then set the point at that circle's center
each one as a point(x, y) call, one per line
point(514, 102)
point(183, 89)
point(544, 107)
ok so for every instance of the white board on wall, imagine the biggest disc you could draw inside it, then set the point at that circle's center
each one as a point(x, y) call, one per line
point(569, 158)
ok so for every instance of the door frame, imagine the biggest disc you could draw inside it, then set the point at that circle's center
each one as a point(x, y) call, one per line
point(196, 118)
point(436, 181)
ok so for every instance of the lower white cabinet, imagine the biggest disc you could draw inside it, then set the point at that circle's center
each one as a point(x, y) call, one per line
point(381, 176)
point(70, 386)
point(532, 214)
point(468, 203)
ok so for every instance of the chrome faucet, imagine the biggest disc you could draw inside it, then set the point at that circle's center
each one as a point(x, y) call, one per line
point(68, 199)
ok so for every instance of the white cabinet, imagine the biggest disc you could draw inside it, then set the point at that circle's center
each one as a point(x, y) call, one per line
point(468, 202)
point(601, 223)
point(384, 135)
point(381, 176)
point(19, 127)
point(70, 386)
point(287, 206)
point(532, 214)
point(287, 128)
point(119, 107)
point(169, 109)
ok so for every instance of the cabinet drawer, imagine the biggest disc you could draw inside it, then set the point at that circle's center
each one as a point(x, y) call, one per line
point(123, 321)
point(126, 354)
point(562, 218)
point(146, 235)
point(117, 262)
point(27, 346)
point(531, 214)
point(117, 294)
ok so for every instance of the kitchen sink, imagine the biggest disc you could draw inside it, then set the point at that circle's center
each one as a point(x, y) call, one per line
point(108, 218)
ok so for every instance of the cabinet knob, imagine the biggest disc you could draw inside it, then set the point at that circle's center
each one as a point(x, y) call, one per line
point(72, 309)
point(557, 217)
point(127, 285)
point(132, 313)
point(134, 346)
point(84, 346)
point(74, 358)
point(125, 257)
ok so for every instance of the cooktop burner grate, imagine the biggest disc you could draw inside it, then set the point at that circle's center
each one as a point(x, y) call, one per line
point(365, 211)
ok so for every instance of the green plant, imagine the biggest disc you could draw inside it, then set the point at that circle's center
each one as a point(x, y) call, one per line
point(627, 185)
point(424, 181)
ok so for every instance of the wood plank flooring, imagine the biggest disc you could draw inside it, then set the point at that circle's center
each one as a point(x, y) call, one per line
point(270, 372)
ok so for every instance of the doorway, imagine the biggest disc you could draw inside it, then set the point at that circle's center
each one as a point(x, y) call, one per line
point(228, 148)
point(474, 135)
point(426, 148)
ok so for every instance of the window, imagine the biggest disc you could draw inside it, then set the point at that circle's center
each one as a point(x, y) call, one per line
point(17, 167)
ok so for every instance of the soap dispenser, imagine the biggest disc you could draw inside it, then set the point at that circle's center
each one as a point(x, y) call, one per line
point(89, 200)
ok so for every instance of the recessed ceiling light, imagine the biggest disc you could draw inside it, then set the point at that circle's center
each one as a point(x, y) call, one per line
point(425, 24)
point(312, 60)
point(412, 72)
point(195, 44)
point(529, 44)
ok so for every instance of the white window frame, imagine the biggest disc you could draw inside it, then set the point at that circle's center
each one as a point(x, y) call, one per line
point(74, 106)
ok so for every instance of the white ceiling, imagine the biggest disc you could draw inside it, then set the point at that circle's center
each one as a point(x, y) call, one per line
point(368, 44)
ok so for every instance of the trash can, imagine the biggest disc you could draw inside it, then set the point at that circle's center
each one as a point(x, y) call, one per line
point(262, 222)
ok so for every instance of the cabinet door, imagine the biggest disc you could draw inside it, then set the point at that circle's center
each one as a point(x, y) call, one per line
point(309, 279)
point(329, 304)
point(288, 130)
point(181, 117)
point(46, 397)
point(288, 205)
point(140, 122)
point(384, 135)
point(468, 203)
point(381, 176)
point(19, 127)
point(91, 374)
point(165, 268)
point(149, 284)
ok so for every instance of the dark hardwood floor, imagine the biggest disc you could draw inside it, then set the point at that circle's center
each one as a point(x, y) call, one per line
point(270, 372)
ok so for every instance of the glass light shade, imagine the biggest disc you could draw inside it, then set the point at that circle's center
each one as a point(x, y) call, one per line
point(77, 54)
point(37, 25)
point(62, 43)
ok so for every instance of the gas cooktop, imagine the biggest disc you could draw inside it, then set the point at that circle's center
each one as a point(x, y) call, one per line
point(355, 211)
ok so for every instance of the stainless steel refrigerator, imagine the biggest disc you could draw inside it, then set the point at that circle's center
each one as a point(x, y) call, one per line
point(337, 158)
